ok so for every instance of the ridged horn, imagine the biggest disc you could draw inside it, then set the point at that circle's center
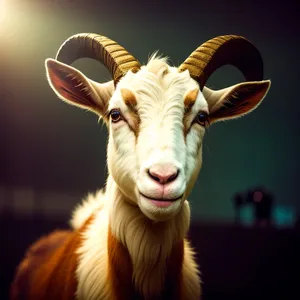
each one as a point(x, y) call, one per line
point(222, 50)
point(117, 60)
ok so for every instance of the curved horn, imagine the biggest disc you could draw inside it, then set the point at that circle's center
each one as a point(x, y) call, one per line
point(219, 51)
point(112, 55)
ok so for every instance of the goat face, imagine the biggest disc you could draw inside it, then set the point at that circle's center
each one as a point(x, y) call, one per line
point(156, 124)
point(157, 114)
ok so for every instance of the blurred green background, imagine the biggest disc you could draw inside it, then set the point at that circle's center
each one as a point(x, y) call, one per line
point(49, 148)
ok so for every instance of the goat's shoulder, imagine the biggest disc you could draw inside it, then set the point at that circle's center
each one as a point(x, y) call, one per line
point(51, 262)
point(32, 268)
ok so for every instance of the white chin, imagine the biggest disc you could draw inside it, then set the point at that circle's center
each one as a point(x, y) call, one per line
point(158, 210)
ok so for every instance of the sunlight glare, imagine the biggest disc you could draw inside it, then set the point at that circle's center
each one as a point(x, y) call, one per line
point(2, 10)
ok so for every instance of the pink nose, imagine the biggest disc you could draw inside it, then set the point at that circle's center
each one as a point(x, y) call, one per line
point(163, 174)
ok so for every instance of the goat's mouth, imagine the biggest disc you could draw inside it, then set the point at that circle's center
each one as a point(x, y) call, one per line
point(163, 202)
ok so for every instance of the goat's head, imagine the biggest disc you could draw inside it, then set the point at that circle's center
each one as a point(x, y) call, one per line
point(157, 114)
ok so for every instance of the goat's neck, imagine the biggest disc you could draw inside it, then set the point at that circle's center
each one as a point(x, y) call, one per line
point(129, 225)
point(149, 243)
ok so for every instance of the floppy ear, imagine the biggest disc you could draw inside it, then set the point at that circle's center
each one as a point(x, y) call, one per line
point(235, 101)
point(73, 87)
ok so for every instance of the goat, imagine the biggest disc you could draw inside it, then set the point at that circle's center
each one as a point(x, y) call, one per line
point(128, 241)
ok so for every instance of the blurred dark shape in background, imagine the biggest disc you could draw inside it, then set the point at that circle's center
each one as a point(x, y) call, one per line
point(261, 201)
point(238, 202)
point(257, 207)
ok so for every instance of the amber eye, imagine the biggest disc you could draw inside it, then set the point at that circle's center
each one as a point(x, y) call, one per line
point(202, 118)
point(115, 115)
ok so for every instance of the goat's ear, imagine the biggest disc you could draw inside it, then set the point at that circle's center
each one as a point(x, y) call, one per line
point(72, 86)
point(235, 101)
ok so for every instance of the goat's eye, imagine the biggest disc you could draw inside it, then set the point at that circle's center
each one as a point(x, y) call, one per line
point(202, 118)
point(115, 115)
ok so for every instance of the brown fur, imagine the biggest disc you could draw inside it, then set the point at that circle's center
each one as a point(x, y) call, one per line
point(120, 270)
point(128, 97)
point(130, 100)
point(48, 270)
point(120, 273)
point(190, 99)
point(136, 122)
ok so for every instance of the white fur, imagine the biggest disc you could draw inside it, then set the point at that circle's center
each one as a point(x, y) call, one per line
point(160, 91)
point(92, 270)
point(83, 211)
point(149, 244)
point(147, 231)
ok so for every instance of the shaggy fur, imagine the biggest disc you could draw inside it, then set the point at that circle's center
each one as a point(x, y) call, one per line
point(149, 245)
point(124, 243)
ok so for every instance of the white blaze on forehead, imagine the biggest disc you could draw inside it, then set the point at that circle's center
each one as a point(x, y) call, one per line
point(160, 91)
point(161, 110)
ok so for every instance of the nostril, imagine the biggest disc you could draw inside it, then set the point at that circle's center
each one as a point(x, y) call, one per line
point(156, 178)
point(173, 176)
point(163, 177)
